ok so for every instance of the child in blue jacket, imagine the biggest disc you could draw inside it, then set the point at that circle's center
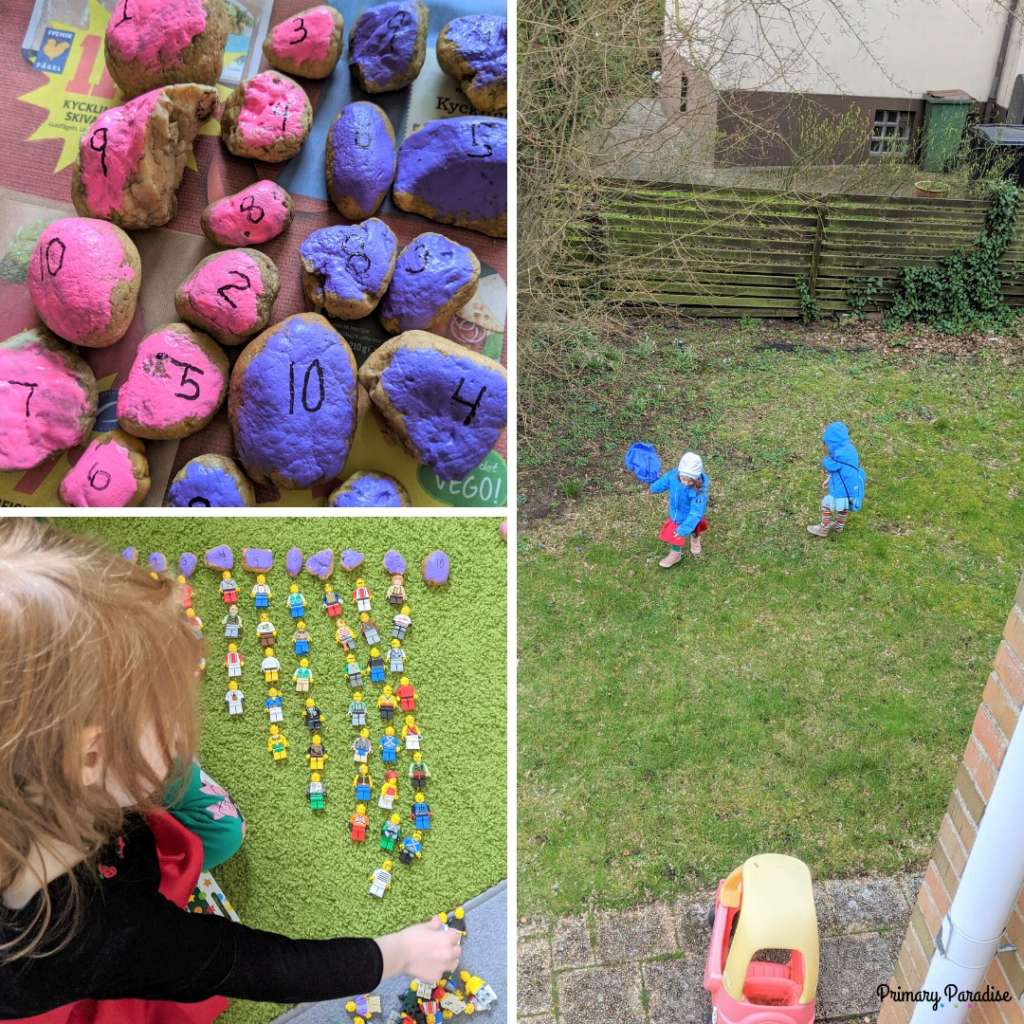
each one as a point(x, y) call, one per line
point(687, 487)
point(843, 483)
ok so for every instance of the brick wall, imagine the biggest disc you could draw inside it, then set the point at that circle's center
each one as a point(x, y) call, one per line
point(994, 723)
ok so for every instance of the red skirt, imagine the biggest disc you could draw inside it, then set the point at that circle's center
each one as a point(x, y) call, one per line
point(180, 854)
point(669, 536)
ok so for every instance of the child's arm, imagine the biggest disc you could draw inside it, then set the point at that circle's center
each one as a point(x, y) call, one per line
point(698, 506)
point(662, 483)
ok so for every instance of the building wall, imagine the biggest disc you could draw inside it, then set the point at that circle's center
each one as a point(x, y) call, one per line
point(997, 717)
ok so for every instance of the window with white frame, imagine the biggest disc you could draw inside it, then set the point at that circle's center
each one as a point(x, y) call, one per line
point(890, 132)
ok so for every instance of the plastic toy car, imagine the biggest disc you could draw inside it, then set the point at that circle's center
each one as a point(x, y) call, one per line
point(763, 909)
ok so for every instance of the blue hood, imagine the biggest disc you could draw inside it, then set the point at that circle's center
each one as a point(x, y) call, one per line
point(835, 436)
point(842, 464)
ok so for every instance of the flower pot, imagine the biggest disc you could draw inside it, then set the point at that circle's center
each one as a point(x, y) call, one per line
point(931, 189)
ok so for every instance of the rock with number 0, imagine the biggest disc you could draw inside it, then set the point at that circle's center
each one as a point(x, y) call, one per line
point(446, 403)
point(175, 384)
point(292, 403)
point(112, 472)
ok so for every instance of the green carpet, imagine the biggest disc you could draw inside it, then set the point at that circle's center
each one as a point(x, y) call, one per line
point(299, 874)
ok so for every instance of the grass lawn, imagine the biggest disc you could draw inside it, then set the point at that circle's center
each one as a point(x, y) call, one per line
point(300, 874)
point(782, 693)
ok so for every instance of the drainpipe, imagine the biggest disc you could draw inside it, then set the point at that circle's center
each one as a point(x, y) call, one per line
point(993, 99)
point(969, 935)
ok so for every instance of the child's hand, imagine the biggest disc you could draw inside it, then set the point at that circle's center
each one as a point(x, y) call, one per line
point(424, 951)
point(824, 483)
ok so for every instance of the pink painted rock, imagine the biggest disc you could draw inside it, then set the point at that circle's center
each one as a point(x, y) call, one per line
point(293, 562)
point(266, 118)
point(219, 558)
point(321, 564)
point(351, 559)
point(252, 216)
point(257, 559)
point(187, 563)
point(503, 529)
point(436, 569)
point(307, 44)
point(394, 563)
point(112, 472)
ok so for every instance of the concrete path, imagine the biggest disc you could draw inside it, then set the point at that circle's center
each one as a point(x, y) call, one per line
point(646, 966)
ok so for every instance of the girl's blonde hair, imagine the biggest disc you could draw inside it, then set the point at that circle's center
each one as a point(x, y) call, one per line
point(88, 642)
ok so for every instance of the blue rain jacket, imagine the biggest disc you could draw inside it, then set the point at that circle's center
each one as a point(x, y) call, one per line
point(686, 506)
point(845, 477)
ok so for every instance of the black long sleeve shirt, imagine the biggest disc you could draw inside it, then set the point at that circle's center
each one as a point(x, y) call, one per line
point(134, 943)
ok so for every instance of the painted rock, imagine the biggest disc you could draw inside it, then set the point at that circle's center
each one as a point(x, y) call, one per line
point(293, 562)
point(112, 472)
point(448, 405)
point(83, 277)
point(176, 383)
point(387, 45)
point(321, 564)
point(47, 398)
point(157, 561)
point(130, 161)
point(453, 171)
point(434, 278)
point(351, 559)
point(210, 481)
point(266, 118)
point(130, 555)
point(292, 403)
point(229, 294)
point(369, 490)
point(252, 216)
point(187, 563)
point(503, 529)
point(219, 558)
point(257, 559)
point(474, 51)
point(394, 562)
point(436, 568)
point(308, 44)
point(361, 159)
point(346, 269)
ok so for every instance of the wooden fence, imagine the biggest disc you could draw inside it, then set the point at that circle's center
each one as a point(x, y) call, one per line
point(743, 252)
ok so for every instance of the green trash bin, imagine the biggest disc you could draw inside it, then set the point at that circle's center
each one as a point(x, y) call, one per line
point(945, 118)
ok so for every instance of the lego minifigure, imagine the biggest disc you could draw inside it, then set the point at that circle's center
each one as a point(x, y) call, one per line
point(421, 813)
point(266, 632)
point(371, 634)
point(346, 639)
point(315, 754)
point(389, 833)
point(270, 666)
point(357, 824)
point(389, 746)
point(388, 789)
point(362, 784)
point(386, 704)
point(261, 593)
point(296, 602)
point(234, 661)
point(300, 639)
point(418, 771)
point(317, 793)
point(314, 716)
point(406, 694)
point(186, 592)
point(362, 746)
point(479, 994)
point(380, 880)
point(376, 666)
point(353, 673)
point(396, 592)
point(277, 744)
point(361, 595)
point(302, 676)
point(233, 698)
point(228, 588)
point(357, 710)
point(194, 621)
point(411, 733)
point(331, 601)
point(396, 658)
point(412, 848)
point(401, 623)
point(232, 623)
point(274, 706)
point(364, 1006)
point(455, 919)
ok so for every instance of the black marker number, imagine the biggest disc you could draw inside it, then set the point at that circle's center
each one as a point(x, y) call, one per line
point(472, 406)
point(315, 365)
point(31, 391)
point(357, 263)
point(186, 381)
point(281, 110)
point(125, 16)
point(485, 148)
point(426, 258)
point(101, 148)
point(199, 501)
point(363, 137)
point(223, 290)
point(300, 26)
point(99, 479)
point(395, 24)
point(252, 209)
point(53, 257)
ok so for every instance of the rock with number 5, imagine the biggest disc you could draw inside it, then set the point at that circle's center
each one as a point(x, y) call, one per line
point(292, 403)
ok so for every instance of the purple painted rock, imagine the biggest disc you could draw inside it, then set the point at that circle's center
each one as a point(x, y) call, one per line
point(387, 45)
point(219, 558)
point(394, 562)
point(210, 481)
point(293, 562)
point(321, 564)
point(158, 562)
point(454, 171)
point(369, 490)
point(434, 278)
point(346, 269)
point(474, 51)
point(436, 568)
point(257, 559)
point(130, 555)
point(351, 559)
point(292, 403)
point(187, 564)
point(447, 404)
point(361, 159)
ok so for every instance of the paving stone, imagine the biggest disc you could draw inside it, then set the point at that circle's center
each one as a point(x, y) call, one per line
point(542, 1019)
point(911, 884)
point(849, 906)
point(600, 994)
point(570, 943)
point(527, 928)
point(534, 973)
point(852, 968)
point(635, 934)
point(675, 991)
point(691, 917)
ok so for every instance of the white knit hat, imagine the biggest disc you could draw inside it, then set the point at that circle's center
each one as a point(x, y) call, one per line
point(691, 465)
